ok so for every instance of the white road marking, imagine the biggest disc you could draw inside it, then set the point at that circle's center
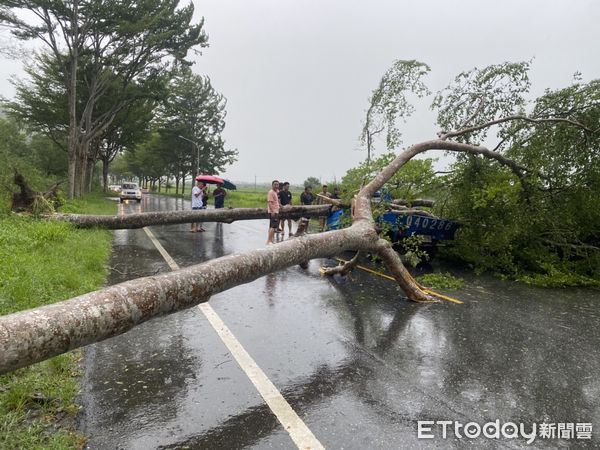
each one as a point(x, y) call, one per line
point(293, 424)
point(170, 261)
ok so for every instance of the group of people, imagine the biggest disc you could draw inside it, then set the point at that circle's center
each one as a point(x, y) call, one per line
point(276, 199)
point(280, 198)
point(200, 196)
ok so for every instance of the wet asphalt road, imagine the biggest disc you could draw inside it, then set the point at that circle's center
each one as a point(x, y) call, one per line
point(359, 364)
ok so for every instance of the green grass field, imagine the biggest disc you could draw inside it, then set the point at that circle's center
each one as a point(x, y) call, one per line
point(44, 262)
point(240, 198)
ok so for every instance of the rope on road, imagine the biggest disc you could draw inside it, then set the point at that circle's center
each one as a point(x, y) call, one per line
point(388, 277)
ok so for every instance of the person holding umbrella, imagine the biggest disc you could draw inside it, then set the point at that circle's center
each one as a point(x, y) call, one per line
point(197, 204)
point(219, 194)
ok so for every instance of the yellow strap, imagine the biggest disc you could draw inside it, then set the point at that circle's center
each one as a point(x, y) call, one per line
point(388, 277)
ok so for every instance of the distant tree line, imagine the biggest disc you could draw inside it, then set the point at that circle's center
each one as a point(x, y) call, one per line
point(112, 79)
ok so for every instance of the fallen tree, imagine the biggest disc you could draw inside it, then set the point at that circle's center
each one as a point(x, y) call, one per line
point(26, 199)
point(30, 336)
point(230, 215)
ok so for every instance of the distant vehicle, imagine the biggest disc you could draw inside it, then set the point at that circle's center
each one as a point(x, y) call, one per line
point(114, 187)
point(130, 191)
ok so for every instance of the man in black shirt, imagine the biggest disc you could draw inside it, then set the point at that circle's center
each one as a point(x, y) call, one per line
point(307, 197)
point(219, 194)
point(285, 198)
point(320, 201)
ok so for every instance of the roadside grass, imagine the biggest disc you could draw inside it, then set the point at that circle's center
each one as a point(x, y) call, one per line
point(240, 198)
point(445, 281)
point(44, 262)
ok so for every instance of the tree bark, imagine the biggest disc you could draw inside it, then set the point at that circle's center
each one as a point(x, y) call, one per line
point(34, 335)
point(73, 140)
point(105, 174)
point(224, 215)
point(41, 333)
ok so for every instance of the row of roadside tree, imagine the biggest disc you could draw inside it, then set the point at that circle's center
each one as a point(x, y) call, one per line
point(112, 78)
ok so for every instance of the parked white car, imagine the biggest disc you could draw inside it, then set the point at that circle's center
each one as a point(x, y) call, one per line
point(130, 191)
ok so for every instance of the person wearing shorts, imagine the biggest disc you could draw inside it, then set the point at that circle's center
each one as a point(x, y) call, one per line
point(273, 206)
point(285, 199)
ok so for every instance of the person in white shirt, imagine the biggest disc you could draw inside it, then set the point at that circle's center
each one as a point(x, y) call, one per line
point(197, 204)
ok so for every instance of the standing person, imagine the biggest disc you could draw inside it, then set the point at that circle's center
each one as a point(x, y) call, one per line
point(219, 194)
point(205, 194)
point(273, 208)
point(285, 198)
point(307, 197)
point(336, 193)
point(320, 201)
point(197, 204)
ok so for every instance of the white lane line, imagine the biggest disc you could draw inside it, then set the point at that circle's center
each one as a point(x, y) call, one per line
point(293, 424)
point(170, 261)
point(299, 432)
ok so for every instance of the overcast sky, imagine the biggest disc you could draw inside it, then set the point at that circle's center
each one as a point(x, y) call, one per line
point(298, 74)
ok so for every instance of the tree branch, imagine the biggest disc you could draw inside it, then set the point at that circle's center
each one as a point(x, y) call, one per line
point(341, 269)
point(30, 336)
point(464, 131)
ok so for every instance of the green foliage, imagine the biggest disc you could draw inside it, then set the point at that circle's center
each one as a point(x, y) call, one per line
point(313, 182)
point(41, 206)
point(412, 251)
point(187, 133)
point(244, 198)
point(441, 281)
point(23, 153)
point(44, 262)
point(545, 228)
point(415, 179)
point(480, 96)
point(558, 277)
point(389, 102)
point(37, 409)
point(107, 57)
point(540, 224)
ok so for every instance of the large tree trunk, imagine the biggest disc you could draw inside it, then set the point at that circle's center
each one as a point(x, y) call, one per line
point(224, 215)
point(34, 335)
point(72, 165)
point(105, 174)
point(73, 140)
point(90, 163)
point(41, 333)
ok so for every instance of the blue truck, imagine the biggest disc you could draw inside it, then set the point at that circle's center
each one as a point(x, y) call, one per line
point(400, 225)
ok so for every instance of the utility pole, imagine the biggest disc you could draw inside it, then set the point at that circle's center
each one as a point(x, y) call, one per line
point(197, 154)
